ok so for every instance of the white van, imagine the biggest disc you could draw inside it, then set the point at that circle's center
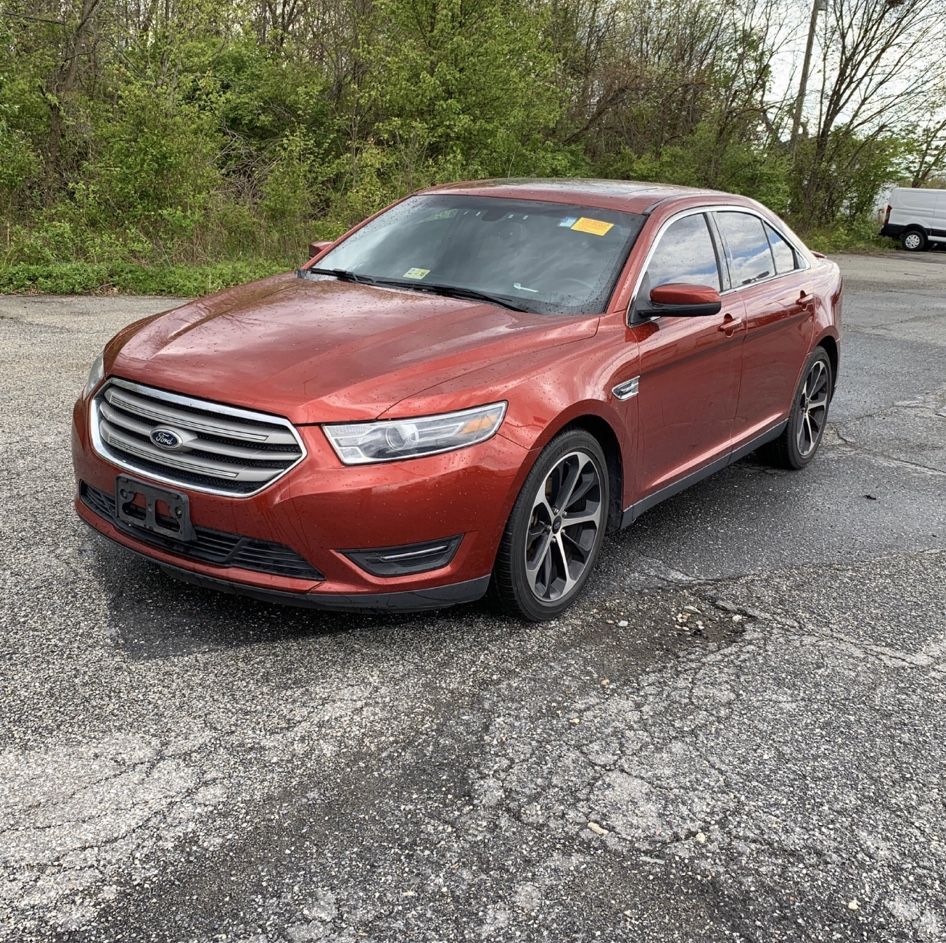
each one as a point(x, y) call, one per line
point(916, 217)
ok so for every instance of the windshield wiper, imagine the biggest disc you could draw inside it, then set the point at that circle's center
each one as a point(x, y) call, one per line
point(452, 291)
point(343, 275)
point(448, 290)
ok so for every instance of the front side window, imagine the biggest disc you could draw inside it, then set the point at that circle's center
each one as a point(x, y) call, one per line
point(526, 254)
point(785, 260)
point(685, 253)
point(747, 247)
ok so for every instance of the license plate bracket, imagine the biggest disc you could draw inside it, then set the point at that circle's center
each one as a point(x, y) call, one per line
point(159, 511)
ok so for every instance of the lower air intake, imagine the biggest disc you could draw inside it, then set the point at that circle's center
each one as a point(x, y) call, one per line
point(209, 546)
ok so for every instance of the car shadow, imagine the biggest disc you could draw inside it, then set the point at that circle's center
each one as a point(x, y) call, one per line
point(150, 614)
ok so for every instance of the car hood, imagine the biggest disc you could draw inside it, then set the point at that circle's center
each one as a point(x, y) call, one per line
point(324, 350)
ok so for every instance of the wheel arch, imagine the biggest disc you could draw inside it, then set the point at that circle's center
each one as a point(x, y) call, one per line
point(918, 228)
point(830, 345)
point(598, 427)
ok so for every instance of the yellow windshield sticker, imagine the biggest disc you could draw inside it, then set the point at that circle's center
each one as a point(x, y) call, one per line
point(597, 227)
point(416, 272)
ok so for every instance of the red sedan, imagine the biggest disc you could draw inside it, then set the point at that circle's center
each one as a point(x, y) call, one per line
point(463, 393)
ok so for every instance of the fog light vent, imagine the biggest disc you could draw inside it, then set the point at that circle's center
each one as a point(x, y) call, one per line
point(411, 558)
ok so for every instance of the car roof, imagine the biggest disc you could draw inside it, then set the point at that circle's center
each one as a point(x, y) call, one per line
point(630, 195)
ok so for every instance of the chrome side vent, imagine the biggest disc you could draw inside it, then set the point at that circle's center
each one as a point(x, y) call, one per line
point(627, 389)
point(193, 443)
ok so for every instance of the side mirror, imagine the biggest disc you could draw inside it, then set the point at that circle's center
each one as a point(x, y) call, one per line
point(682, 300)
point(316, 247)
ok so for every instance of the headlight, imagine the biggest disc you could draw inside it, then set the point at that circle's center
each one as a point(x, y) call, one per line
point(360, 443)
point(95, 375)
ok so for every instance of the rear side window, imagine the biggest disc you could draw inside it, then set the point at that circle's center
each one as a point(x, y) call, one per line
point(750, 258)
point(785, 260)
point(685, 253)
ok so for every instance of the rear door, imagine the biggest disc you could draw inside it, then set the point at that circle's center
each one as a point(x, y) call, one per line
point(770, 278)
point(689, 366)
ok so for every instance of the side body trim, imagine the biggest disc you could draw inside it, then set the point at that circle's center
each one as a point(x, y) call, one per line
point(627, 389)
point(648, 501)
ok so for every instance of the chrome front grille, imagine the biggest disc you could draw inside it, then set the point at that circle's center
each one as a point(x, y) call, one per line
point(190, 442)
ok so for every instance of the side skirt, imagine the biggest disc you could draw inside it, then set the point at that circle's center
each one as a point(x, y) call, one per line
point(633, 512)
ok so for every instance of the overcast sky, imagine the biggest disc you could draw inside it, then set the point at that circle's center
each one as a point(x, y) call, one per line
point(787, 63)
point(790, 41)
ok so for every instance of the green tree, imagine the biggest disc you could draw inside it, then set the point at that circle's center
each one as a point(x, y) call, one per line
point(461, 88)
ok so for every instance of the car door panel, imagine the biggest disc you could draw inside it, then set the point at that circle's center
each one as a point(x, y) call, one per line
point(780, 318)
point(765, 271)
point(688, 388)
point(689, 366)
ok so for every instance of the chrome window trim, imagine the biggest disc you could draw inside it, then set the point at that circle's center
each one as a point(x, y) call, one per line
point(204, 404)
point(716, 208)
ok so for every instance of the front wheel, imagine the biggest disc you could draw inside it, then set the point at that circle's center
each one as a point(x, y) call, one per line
point(797, 445)
point(555, 530)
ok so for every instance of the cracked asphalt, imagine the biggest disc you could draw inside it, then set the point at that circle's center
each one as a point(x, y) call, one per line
point(738, 733)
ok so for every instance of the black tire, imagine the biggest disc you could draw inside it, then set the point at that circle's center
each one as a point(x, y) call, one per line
point(914, 240)
point(528, 592)
point(798, 444)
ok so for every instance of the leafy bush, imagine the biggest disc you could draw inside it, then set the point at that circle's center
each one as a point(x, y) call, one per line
point(471, 93)
point(706, 160)
point(153, 169)
point(860, 235)
point(79, 278)
point(160, 147)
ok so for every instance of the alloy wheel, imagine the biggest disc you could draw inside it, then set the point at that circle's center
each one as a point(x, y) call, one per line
point(812, 409)
point(912, 240)
point(567, 514)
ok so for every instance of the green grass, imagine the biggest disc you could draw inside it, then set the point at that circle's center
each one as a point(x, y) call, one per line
point(88, 278)
point(852, 238)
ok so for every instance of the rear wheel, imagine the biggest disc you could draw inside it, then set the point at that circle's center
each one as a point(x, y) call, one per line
point(797, 445)
point(913, 240)
point(555, 530)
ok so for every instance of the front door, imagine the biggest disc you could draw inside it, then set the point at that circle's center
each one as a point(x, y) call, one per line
point(689, 366)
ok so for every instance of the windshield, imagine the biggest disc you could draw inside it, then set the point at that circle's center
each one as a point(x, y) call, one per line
point(529, 255)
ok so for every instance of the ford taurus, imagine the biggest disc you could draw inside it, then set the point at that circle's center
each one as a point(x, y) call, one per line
point(462, 394)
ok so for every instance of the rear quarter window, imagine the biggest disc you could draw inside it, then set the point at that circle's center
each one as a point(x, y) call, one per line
point(747, 247)
point(785, 258)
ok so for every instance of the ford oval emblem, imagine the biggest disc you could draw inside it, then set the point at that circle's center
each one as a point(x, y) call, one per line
point(166, 439)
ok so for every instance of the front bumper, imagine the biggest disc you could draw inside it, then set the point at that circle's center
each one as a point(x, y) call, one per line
point(322, 510)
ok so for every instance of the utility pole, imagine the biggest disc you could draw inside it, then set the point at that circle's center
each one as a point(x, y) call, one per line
point(817, 6)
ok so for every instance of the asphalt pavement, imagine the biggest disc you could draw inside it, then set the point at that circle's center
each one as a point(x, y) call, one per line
point(737, 734)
